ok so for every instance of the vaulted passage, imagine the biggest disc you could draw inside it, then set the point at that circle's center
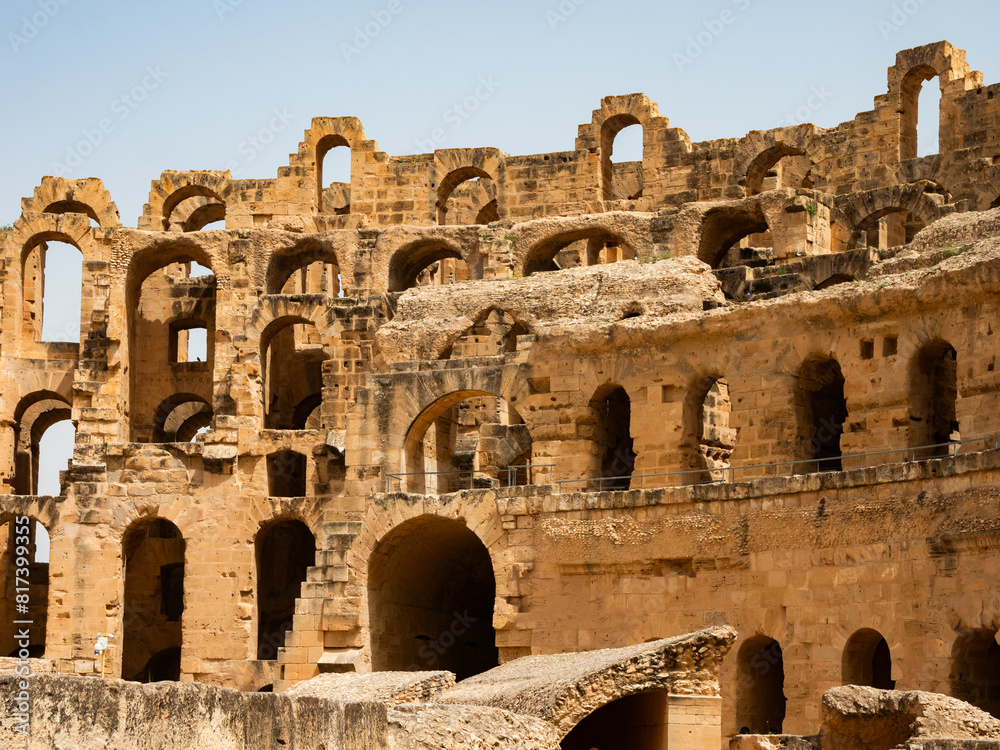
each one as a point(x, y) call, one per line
point(975, 672)
point(821, 409)
point(637, 722)
point(760, 686)
point(466, 439)
point(153, 552)
point(24, 564)
point(934, 411)
point(285, 550)
point(293, 356)
point(611, 410)
point(867, 660)
point(431, 592)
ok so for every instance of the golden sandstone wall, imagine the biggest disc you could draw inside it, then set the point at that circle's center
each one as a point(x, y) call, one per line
point(379, 468)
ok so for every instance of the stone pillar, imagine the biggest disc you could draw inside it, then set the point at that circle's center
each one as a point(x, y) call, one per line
point(694, 722)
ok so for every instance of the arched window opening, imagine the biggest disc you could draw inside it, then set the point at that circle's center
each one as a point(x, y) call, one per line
point(975, 671)
point(934, 411)
point(431, 592)
point(197, 214)
point(760, 686)
point(24, 545)
point(293, 357)
point(44, 443)
point(621, 157)
point(714, 437)
point(153, 605)
point(73, 207)
point(191, 208)
point(734, 237)
point(637, 722)
point(611, 411)
point(467, 439)
point(318, 277)
point(171, 337)
point(867, 661)
point(333, 175)
point(311, 267)
point(780, 166)
point(919, 116)
point(886, 228)
point(838, 278)
point(286, 474)
point(52, 290)
point(494, 333)
point(285, 551)
point(430, 263)
point(467, 196)
point(822, 410)
point(586, 247)
point(180, 417)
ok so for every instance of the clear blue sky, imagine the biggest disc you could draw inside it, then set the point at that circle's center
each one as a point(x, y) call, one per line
point(213, 73)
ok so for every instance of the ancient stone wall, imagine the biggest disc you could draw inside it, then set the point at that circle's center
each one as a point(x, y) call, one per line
point(471, 407)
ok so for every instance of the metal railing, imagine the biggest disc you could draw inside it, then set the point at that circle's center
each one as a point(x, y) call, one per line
point(508, 476)
point(515, 476)
point(782, 468)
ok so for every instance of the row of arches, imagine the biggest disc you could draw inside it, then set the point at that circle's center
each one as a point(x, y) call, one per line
point(867, 661)
point(470, 437)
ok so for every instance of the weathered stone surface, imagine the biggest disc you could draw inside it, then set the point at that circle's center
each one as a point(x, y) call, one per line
point(433, 727)
point(86, 713)
point(564, 688)
point(862, 718)
point(390, 688)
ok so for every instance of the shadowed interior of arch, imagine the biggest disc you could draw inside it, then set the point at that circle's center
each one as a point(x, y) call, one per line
point(284, 551)
point(636, 722)
point(292, 356)
point(867, 660)
point(426, 263)
point(153, 600)
point(584, 247)
point(431, 592)
point(467, 439)
point(13, 531)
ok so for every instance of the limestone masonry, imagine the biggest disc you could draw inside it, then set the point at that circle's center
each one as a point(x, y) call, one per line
point(512, 421)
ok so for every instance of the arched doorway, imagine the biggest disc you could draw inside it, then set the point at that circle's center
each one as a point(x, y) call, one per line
point(431, 592)
point(285, 550)
point(637, 722)
point(975, 671)
point(867, 661)
point(153, 556)
point(821, 408)
point(934, 394)
point(760, 686)
point(611, 410)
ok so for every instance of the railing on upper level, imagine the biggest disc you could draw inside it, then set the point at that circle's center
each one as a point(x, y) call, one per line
point(514, 476)
point(730, 474)
point(452, 481)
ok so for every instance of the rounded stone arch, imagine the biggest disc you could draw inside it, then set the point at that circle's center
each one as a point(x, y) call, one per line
point(860, 211)
point(914, 66)
point(172, 422)
point(285, 262)
point(173, 188)
point(323, 135)
point(410, 260)
point(522, 327)
point(614, 115)
point(59, 195)
point(722, 227)
point(454, 166)
point(447, 388)
point(277, 311)
point(542, 253)
point(761, 150)
point(164, 252)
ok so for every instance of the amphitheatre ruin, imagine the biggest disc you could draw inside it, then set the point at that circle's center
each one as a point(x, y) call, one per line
point(557, 449)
